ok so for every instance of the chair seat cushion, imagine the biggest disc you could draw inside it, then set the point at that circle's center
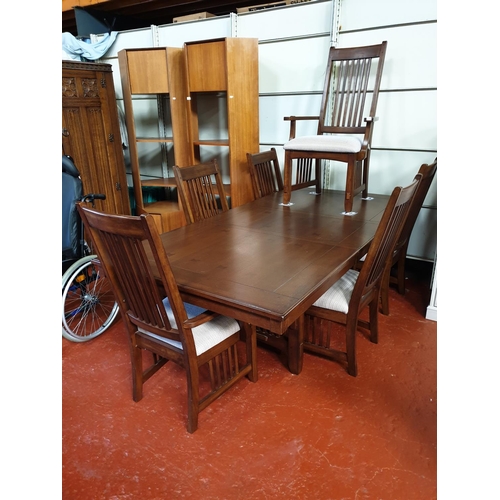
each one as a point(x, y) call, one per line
point(338, 296)
point(336, 143)
point(206, 335)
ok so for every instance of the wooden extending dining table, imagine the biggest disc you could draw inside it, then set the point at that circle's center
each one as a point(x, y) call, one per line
point(265, 263)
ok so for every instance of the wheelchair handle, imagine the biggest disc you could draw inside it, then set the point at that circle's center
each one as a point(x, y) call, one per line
point(89, 198)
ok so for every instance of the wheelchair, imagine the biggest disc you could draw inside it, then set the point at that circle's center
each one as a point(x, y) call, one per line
point(88, 302)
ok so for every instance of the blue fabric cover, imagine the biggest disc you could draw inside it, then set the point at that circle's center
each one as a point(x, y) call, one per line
point(89, 51)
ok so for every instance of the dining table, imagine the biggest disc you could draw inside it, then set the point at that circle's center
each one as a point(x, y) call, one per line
point(265, 263)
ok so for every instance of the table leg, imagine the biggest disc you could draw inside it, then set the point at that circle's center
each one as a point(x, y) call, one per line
point(295, 336)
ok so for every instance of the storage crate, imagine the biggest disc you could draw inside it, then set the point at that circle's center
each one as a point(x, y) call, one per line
point(263, 6)
point(193, 17)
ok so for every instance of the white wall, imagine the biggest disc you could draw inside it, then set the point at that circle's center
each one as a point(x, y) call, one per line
point(293, 48)
point(406, 134)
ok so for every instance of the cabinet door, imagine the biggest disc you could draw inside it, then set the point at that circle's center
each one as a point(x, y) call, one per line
point(91, 135)
point(207, 66)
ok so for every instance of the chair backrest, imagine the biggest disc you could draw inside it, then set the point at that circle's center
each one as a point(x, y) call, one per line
point(350, 94)
point(427, 171)
point(72, 192)
point(384, 241)
point(122, 243)
point(201, 191)
point(265, 172)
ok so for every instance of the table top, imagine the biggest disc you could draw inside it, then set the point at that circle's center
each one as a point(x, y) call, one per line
point(265, 263)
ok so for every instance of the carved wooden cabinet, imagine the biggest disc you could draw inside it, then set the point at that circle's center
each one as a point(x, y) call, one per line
point(91, 132)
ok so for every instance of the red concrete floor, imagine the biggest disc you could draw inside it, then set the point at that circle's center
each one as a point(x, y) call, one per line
point(319, 435)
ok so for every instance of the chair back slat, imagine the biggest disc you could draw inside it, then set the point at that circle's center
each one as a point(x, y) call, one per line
point(201, 190)
point(265, 172)
point(265, 177)
point(385, 239)
point(427, 171)
point(122, 244)
point(348, 97)
point(135, 279)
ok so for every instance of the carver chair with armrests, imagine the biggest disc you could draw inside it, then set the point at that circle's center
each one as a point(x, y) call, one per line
point(265, 172)
point(397, 262)
point(201, 191)
point(156, 318)
point(346, 299)
point(345, 124)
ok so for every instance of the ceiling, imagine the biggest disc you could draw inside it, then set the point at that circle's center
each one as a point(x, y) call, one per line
point(131, 14)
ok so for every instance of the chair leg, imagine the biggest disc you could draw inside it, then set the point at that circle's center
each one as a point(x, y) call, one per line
point(351, 326)
point(137, 373)
point(366, 168)
point(318, 176)
point(287, 178)
point(384, 292)
point(193, 390)
point(374, 320)
point(349, 185)
point(401, 270)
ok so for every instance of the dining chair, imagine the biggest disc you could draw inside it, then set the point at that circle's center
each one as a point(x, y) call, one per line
point(201, 191)
point(345, 123)
point(157, 320)
point(398, 259)
point(265, 172)
point(345, 300)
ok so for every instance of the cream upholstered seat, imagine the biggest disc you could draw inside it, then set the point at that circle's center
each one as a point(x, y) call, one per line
point(329, 143)
point(338, 296)
point(206, 335)
point(345, 123)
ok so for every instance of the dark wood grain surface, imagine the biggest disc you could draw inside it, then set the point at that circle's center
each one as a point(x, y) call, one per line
point(265, 263)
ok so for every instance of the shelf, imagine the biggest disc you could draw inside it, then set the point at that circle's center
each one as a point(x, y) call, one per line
point(154, 139)
point(166, 182)
point(214, 142)
point(162, 207)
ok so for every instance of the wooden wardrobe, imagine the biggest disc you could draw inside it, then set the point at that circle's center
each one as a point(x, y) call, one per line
point(91, 132)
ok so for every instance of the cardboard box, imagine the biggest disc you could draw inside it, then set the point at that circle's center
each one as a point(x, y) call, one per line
point(193, 17)
point(263, 6)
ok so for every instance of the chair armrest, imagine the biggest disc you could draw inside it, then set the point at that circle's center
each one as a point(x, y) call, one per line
point(369, 120)
point(293, 120)
point(200, 319)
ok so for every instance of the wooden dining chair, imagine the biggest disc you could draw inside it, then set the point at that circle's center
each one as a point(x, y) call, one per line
point(347, 298)
point(201, 191)
point(398, 259)
point(345, 123)
point(158, 321)
point(265, 172)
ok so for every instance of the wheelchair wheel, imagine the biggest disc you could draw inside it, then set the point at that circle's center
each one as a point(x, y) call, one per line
point(88, 303)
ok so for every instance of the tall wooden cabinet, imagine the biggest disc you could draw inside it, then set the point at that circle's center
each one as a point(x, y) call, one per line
point(91, 132)
point(154, 80)
point(228, 68)
point(180, 81)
